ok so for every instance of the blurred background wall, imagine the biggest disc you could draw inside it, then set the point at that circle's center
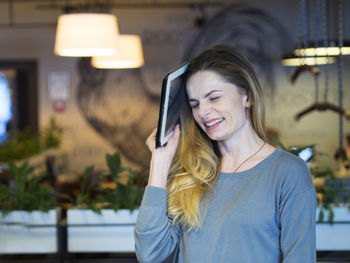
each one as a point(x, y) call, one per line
point(115, 110)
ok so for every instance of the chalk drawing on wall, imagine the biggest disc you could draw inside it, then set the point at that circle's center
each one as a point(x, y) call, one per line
point(261, 37)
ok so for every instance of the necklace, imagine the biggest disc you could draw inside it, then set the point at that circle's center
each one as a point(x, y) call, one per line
point(249, 157)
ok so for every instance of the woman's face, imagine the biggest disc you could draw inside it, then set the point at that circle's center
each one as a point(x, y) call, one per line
point(217, 105)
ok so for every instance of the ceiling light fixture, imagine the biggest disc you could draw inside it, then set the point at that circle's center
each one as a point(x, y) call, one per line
point(294, 61)
point(129, 54)
point(319, 50)
point(86, 35)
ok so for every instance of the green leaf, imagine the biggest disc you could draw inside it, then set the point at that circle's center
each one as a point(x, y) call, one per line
point(113, 163)
point(87, 173)
point(330, 216)
point(321, 215)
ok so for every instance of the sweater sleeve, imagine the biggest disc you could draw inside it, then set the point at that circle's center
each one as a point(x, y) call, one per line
point(156, 236)
point(298, 216)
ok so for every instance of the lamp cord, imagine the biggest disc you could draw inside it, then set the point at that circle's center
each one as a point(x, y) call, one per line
point(325, 43)
point(304, 19)
point(340, 67)
point(318, 37)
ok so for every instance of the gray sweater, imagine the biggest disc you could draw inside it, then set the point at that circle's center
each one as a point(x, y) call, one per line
point(265, 214)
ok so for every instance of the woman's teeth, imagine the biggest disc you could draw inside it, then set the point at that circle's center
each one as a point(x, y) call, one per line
point(212, 123)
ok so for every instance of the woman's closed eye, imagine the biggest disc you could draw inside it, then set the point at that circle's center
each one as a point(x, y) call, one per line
point(194, 105)
point(214, 98)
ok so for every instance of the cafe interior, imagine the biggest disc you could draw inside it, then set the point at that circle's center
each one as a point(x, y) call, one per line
point(80, 92)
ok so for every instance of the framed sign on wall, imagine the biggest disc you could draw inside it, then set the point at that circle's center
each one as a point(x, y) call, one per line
point(58, 89)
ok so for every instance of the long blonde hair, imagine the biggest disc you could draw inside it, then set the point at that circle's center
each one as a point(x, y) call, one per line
point(196, 163)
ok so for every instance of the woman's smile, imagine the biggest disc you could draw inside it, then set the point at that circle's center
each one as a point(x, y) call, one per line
point(213, 123)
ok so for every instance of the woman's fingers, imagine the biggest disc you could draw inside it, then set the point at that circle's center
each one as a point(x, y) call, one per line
point(168, 150)
point(171, 144)
point(174, 140)
point(151, 140)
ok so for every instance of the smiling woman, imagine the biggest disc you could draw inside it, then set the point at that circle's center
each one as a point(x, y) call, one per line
point(230, 196)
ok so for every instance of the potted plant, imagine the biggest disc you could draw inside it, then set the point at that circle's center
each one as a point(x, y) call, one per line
point(28, 202)
point(22, 144)
point(27, 212)
point(104, 211)
point(333, 211)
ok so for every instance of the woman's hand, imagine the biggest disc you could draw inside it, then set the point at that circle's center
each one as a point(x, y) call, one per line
point(161, 158)
point(168, 149)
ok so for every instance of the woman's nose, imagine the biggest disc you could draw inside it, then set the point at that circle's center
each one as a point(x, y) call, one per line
point(204, 110)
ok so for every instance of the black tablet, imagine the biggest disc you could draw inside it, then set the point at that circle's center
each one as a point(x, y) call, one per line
point(173, 94)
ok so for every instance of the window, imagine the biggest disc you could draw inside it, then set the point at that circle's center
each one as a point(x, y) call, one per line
point(5, 106)
point(18, 97)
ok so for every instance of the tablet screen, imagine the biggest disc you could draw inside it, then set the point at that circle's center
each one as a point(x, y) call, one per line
point(173, 94)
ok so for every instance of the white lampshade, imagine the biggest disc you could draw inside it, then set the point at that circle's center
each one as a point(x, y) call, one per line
point(311, 61)
point(322, 51)
point(86, 35)
point(318, 48)
point(129, 54)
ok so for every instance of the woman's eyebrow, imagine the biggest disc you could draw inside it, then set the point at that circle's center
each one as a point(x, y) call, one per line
point(210, 92)
point(206, 95)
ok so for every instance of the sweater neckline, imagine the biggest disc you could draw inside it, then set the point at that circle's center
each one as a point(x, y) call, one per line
point(251, 170)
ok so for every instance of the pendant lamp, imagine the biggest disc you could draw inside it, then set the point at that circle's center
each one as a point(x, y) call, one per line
point(129, 54)
point(294, 61)
point(318, 52)
point(331, 50)
point(86, 35)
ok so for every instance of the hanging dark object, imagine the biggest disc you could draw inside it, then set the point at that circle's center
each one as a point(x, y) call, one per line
point(323, 107)
point(340, 153)
point(313, 70)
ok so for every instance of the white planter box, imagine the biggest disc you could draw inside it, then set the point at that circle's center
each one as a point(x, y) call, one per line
point(103, 234)
point(109, 232)
point(336, 236)
point(23, 232)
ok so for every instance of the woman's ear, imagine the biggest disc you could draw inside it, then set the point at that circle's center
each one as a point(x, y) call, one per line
point(248, 101)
